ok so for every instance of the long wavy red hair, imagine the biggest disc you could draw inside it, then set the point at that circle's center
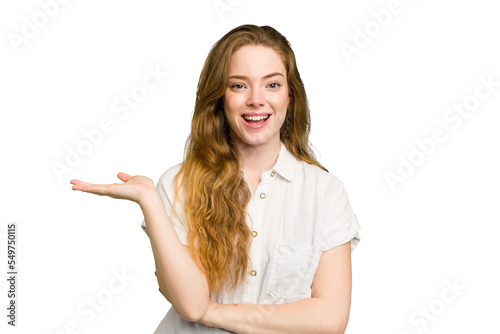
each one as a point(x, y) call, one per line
point(215, 195)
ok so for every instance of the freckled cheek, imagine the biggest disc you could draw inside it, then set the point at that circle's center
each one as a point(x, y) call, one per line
point(279, 108)
point(234, 107)
point(279, 101)
point(232, 115)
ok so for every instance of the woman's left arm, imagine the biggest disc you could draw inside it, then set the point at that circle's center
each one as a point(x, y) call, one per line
point(327, 311)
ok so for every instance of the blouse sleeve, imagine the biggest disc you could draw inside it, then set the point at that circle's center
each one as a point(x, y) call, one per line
point(166, 190)
point(341, 223)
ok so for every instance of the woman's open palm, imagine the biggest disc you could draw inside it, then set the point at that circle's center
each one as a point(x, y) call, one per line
point(133, 188)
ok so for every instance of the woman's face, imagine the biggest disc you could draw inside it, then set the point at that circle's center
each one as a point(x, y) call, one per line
point(256, 97)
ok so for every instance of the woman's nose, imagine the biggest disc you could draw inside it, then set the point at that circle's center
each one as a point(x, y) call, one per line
point(255, 98)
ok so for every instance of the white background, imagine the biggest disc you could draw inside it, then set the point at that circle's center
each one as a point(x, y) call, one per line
point(440, 225)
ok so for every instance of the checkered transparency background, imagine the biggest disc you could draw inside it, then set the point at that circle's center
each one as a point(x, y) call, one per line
point(405, 101)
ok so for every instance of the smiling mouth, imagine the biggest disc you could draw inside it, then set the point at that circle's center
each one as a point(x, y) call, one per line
point(256, 120)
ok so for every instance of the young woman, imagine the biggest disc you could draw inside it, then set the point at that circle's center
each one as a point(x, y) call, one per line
point(250, 233)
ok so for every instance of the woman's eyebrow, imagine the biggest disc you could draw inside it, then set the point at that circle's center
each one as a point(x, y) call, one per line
point(242, 77)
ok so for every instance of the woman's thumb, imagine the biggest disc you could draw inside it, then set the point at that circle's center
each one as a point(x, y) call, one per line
point(124, 177)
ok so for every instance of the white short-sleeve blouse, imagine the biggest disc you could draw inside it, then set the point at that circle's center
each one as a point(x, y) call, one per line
point(297, 212)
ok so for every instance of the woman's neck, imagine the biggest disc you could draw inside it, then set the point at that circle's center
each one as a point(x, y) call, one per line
point(256, 159)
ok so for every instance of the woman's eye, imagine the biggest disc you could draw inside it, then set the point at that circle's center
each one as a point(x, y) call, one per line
point(274, 85)
point(237, 86)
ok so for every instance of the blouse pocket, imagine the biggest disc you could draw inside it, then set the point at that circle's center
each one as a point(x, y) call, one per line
point(292, 272)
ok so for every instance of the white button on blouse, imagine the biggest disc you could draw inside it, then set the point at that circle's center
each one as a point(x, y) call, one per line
point(299, 211)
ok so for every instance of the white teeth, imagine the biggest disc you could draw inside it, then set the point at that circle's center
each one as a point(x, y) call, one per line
point(255, 118)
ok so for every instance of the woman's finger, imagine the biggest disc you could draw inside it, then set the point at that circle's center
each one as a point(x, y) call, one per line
point(98, 189)
point(78, 182)
point(78, 186)
point(124, 176)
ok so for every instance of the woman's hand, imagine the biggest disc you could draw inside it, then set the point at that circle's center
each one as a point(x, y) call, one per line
point(134, 188)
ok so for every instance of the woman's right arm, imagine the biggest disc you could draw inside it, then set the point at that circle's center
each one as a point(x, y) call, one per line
point(179, 278)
